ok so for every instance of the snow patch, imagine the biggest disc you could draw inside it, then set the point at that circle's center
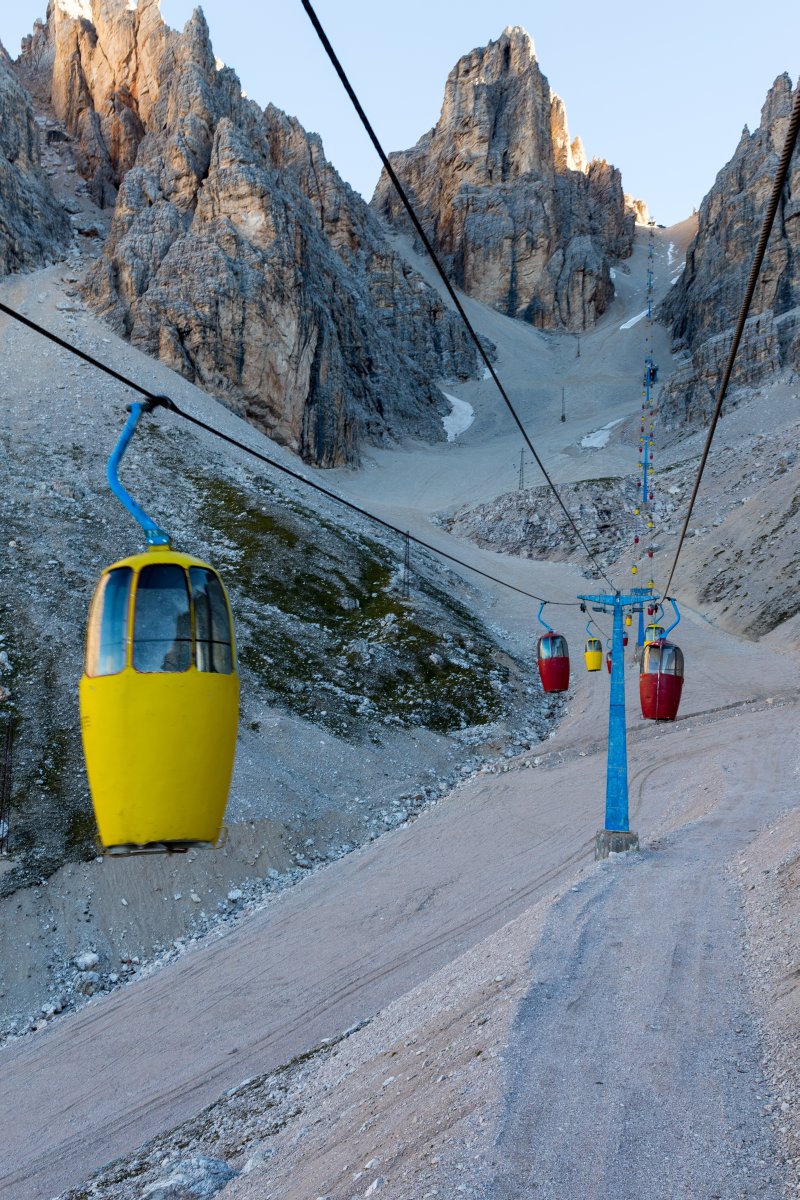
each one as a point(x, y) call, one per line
point(613, 273)
point(634, 320)
point(681, 267)
point(670, 253)
point(76, 9)
point(487, 374)
point(598, 439)
point(220, 65)
point(461, 417)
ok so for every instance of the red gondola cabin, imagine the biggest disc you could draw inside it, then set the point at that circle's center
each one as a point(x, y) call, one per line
point(553, 657)
point(661, 680)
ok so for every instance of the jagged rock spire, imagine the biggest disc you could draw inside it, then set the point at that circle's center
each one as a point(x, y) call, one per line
point(704, 305)
point(523, 222)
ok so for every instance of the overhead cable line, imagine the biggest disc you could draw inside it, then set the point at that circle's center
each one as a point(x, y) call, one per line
point(758, 259)
point(155, 400)
point(356, 508)
point(87, 358)
point(329, 50)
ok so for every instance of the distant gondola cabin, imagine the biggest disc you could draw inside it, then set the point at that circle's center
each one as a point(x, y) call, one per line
point(553, 658)
point(661, 680)
point(593, 654)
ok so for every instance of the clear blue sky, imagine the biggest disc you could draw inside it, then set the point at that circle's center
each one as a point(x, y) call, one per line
point(662, 91)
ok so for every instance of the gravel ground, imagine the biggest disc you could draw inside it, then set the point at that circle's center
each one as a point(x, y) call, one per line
point(637, 1058)
point(598, 1045)
point(768, 875)
point(427, 936)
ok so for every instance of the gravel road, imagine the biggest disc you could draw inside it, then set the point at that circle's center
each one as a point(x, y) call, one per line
point(637, 1042)
point(371, 927)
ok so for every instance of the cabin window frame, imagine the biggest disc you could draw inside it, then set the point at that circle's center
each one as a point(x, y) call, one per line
point(95, 641)
point(181, 646)
point(667, 656)
point(120, 585)
point(222, 653)
point(551, 640)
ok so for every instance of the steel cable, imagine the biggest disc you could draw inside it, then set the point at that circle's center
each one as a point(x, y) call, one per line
point(155, 400)
point(331, 53)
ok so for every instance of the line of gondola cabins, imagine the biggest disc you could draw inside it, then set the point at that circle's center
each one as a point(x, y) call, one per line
point(660, 668)
point(159, 696)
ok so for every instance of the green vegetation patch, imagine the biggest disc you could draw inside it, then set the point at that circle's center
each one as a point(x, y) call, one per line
point(323, 626)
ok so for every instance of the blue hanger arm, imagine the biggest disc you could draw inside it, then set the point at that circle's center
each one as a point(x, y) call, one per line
point(154, 533)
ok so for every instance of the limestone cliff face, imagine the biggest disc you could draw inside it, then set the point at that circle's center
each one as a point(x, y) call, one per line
point(236, 254)
point(508, 199)
point(103, 63)
point(638, 208)
point(33, 226)
point(704, 305)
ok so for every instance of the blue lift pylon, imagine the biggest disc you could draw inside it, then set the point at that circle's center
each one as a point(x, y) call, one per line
point(615, 836)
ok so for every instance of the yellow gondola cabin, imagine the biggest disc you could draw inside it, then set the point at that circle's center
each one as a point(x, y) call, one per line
point(593, 654)
point(159, 702)
point(159, 696)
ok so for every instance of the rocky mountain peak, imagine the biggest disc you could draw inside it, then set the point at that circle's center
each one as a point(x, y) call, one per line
point(76, 9)
point(777, 108)
point(498, 108)
point(567, 155)
point(520, 40)
point(521, 219)
point(236, 254)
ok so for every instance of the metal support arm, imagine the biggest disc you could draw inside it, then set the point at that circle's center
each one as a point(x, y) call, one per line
point(154, 533)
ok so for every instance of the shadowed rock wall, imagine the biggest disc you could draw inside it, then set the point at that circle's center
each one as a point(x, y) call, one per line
point(704, 305)
point(33, 227)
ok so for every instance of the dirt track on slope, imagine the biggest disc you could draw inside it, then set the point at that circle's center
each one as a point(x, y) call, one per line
point(344, 943)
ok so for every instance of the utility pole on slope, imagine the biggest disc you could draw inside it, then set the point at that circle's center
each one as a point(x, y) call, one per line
point(405, 589)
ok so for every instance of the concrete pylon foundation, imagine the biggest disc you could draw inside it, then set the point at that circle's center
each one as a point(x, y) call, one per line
point(614, 841)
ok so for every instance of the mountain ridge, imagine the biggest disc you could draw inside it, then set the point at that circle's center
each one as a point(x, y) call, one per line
point(217, 260)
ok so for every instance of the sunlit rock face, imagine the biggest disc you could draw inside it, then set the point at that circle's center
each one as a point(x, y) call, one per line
point(520, 218)
point(705, 303)
point(103, 59)
point(236, 253)
point(33, 227)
